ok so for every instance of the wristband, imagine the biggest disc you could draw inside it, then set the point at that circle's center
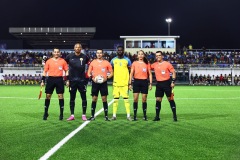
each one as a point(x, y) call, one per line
point(43, 78)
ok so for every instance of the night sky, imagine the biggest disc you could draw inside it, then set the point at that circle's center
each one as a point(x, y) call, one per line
point(208, 23)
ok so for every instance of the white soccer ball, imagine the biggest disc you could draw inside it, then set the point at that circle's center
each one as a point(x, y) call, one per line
point(99, 79)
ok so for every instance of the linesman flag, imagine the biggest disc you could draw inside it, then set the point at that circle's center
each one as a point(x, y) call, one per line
point(172, 94)
point(40, 93)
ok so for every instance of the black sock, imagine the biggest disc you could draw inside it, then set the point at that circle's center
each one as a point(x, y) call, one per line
point(84, 106)
point(47, 103)
point(105, 107)
point(61, 105)
point(158, 108)
point(84, 102)
point(135, 108)
point(93, 108)
point(144, 107)
point(173, 107)
point(72, 106)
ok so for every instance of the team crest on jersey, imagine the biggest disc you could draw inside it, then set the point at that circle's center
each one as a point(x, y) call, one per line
point(144, 70)
point(81, 59)
point(103, 69)
point(60, 67)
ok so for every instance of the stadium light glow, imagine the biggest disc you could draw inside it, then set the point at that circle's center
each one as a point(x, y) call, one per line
point(169, 20)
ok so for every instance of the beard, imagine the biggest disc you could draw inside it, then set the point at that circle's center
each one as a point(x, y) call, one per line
point(120, 54)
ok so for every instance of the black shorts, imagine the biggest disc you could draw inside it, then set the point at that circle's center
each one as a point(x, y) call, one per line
point(79, 85)
point(54, 82)
point(140, 86)
point(163, 87)
point(96, 87)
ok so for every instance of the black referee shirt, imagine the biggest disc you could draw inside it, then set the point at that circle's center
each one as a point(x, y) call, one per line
point(77, 66)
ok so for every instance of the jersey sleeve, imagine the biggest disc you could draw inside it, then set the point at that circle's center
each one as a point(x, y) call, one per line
point(171, 68)
point(112, 62)
point(109, 67)
point(129, 62)
point(65, 65)
point(67, 58)
point(133, 65)
point(46, 66)
point(152, 66)
point(90, 68)
point(148, 66)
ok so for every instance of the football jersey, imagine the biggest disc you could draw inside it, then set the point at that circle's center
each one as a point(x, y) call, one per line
point(77, 66)
point(99, 68)
point(55, 68)
point(140, 69)
point(120, 71)
point(162, 70)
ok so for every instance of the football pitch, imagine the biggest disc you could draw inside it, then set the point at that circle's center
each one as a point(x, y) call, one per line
point(208, 127)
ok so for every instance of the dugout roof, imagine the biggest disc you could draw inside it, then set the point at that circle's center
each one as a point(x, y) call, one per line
point(53, 36)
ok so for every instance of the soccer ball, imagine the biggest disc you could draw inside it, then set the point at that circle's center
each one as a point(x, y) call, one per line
point(99, 79)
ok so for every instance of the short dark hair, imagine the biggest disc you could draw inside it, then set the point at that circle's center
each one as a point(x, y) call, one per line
point(78, 44)
point(56, 48)
point(100, 49)
point(160, 52)
point(120, 47)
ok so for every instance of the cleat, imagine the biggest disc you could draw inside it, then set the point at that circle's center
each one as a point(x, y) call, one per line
point(84, 118)
point(91, 118)
point(107, 119)
point(129, 119)
point(156, 119)
point(71, 118)
point(45, 116)
point(135, 119)
point(175, 119)
point(61, 117)
point(145, 118)
point(114, 118)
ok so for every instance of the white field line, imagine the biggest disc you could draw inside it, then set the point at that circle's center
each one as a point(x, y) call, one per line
point(68, 137)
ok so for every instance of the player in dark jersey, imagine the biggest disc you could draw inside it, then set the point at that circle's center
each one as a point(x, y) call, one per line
point(77, 80)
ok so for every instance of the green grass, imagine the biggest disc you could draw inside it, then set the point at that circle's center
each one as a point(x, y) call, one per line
point(208, 127)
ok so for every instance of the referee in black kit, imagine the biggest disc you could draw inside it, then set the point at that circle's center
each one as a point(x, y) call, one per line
point(77, 62)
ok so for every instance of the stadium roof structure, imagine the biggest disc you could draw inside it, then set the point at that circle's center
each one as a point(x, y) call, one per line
point(53, 36)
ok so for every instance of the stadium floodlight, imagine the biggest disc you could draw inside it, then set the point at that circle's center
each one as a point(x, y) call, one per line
point(169, 20)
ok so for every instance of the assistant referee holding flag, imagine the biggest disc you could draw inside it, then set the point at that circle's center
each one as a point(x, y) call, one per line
point(164, 84)
point(54, 69)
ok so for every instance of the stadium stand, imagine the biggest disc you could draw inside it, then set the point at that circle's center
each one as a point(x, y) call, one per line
point(203, 63)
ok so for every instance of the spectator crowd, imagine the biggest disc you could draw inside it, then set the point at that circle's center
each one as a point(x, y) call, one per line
point(189, 57)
